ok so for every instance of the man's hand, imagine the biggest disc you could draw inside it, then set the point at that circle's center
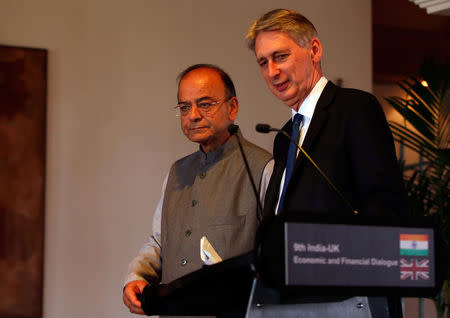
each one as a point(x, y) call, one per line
point(130, 296)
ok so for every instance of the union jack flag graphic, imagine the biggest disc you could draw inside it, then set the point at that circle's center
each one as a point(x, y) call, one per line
point(414, 269)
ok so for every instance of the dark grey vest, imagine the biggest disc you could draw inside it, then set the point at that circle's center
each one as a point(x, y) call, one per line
point(209, 195)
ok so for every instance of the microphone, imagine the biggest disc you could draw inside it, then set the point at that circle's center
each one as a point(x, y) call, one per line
point(232, 129)
point(266, 128)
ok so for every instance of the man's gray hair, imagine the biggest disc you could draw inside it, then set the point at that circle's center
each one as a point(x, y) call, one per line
point(293, 23)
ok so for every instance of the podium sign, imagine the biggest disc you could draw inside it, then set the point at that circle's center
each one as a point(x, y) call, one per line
point(358, 255)
point(326, 255)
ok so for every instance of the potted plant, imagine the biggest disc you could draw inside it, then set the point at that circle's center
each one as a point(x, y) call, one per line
point(426, 131)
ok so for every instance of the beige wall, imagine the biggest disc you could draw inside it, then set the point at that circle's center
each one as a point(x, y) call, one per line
point(111, 132)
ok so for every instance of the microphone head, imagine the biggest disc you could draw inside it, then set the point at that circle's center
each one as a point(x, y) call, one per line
point(263, 128)
point(232, 129)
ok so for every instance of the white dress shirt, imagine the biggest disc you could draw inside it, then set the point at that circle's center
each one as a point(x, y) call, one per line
point(307, 110)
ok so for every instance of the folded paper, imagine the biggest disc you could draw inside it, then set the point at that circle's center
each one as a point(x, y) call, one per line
point(208, 254)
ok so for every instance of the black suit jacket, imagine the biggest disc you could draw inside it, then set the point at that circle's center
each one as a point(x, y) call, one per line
point(351, 142)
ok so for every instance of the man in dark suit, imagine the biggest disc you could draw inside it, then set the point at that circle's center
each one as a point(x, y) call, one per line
point(343, 130)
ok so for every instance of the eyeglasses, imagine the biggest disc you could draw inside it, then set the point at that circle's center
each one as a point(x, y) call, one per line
point(205, 108)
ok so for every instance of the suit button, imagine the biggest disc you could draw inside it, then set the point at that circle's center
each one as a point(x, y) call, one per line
point(194, 202)
point(188, 233)
point(183, 262)
point(202, 175)
point(360, 305)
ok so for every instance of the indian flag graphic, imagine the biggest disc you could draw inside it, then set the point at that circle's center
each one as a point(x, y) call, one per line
point(414, 244)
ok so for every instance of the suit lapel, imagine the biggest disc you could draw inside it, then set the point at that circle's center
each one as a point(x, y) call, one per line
point(280, 150)
point(318, 121)
point(281, 143)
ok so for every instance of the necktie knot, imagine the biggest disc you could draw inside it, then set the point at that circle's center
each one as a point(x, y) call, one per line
point(298, 119)
point(296, 127)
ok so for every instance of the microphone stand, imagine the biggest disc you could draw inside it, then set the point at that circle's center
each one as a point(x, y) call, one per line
point(233, 131)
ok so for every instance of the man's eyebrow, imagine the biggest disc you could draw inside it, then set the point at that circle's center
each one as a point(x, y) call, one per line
point(203, 98)
point(261, 59)
point(272, 54)
point(200, 99)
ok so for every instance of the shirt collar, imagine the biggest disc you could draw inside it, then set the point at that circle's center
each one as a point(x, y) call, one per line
point(223, 151)
point(309, 104)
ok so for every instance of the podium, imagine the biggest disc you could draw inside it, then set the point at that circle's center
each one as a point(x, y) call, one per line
point(221, 290)
point(308, 259)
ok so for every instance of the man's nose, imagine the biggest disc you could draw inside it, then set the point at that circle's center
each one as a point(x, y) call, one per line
point(194, 114)
point(273, 69)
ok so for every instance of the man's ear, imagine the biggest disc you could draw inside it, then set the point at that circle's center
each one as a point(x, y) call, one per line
point(234, 108)
point(316, 50)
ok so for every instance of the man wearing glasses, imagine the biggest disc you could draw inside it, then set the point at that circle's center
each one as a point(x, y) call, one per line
point(207, 193)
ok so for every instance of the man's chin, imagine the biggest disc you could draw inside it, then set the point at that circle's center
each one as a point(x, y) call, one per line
point(198, 138)
point(285, 96)
point(289, 100)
